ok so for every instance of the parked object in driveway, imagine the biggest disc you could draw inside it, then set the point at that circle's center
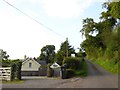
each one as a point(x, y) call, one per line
point(32, 67)
point(56, 69)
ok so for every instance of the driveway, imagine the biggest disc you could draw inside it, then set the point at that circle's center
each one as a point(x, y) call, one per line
point(37, 82)
point(97, 78)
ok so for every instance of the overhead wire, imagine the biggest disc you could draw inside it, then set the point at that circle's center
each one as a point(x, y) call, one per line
point(33, 19)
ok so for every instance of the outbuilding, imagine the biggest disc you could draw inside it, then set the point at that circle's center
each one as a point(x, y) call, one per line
point(56, 69)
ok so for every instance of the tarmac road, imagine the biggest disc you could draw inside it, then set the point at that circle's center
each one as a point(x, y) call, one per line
point(97, 78)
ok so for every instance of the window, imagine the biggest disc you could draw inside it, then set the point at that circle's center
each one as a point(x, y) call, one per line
point(30, 65)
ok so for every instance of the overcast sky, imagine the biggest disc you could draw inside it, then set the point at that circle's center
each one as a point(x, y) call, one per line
point(20, 35)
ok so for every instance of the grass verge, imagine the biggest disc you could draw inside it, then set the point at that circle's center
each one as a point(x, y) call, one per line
point(13, 82)
point(83, 71)
point(108, 65)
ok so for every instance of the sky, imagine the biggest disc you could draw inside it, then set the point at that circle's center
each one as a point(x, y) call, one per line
point(56, 20)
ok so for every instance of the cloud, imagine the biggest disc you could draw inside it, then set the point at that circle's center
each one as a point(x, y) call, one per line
point(65, 8)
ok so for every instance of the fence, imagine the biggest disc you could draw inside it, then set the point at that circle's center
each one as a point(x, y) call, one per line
point(5, 73)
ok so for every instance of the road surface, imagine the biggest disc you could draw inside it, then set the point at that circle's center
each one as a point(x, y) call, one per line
point(97, 78)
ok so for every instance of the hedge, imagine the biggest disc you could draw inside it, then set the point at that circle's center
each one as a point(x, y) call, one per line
point(70, 73)
point(73, 63)
point(16, 70)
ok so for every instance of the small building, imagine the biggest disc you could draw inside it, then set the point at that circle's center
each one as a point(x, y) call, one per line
point(32, 67)
point(56, 69)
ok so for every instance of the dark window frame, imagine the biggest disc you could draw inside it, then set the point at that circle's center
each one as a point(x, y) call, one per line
point(30, 65)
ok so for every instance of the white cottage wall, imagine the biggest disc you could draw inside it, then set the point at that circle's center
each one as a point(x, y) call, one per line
point(34, 66)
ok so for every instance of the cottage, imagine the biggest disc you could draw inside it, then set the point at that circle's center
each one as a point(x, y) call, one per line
point(31, 67)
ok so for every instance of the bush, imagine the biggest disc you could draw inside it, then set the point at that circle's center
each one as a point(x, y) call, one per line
point(73, 63)
point(18, 70)
point(6, 63)
point(70, 73)
point(13, 70)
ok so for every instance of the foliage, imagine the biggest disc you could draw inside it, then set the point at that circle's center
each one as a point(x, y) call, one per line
point(80, 69)
point(13, 71)
point(59, 57)
point(106, 43)
point(3, 55)
point(47, 53)
point(72, 63)
point(70, 73)
point(88, 27)
point(15, 68)
point(18, 70)
point(6, 63)
point(107, 64)
point(83, 71)
point(81, 53)
point(65, 51)
point(13, 82)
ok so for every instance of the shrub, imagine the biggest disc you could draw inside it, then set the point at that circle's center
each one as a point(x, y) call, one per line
point(13, 70)
point(70, 73)
point(6, 63)
point(18, 70)
point(72, 63)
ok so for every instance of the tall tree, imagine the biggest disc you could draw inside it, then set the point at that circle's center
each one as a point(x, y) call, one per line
point(88, 27)
point(47, 53)
point(65, 51)
point(106, 42)
point(3, 55)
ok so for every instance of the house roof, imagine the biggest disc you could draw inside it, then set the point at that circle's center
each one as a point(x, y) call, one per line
point(42, 62)
point(38, 62)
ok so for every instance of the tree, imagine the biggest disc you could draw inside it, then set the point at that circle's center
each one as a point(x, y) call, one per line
point(81, 53)
point(113, 9)
point(106, 43)
point(47, 53)
point(88, 27)
point(3, 55)
point(65, 51)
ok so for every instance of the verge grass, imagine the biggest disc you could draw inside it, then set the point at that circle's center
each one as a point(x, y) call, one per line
point(13, 82)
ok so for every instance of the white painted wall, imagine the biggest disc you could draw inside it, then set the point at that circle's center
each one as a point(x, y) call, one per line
point(35, 66)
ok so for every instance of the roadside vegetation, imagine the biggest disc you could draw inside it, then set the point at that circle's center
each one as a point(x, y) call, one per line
point(104, 46)
point(13, 82)
point(14, 64)
point(76, 66)
point(109, 65)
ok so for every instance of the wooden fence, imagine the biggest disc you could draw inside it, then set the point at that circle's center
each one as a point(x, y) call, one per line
point(5, 73)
